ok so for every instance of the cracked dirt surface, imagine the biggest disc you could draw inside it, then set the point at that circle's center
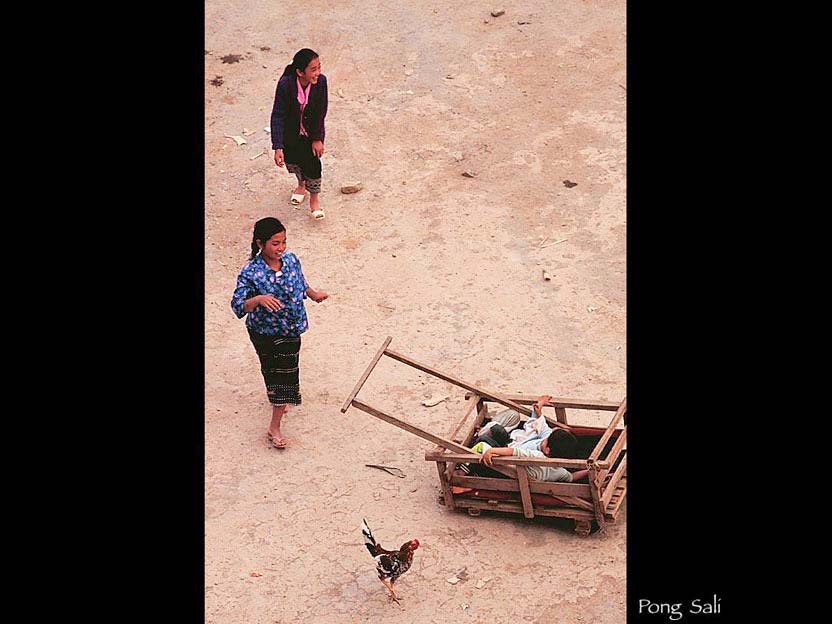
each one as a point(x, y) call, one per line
point(450, 266)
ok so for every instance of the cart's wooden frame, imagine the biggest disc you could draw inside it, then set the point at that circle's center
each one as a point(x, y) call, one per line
point(600, 499)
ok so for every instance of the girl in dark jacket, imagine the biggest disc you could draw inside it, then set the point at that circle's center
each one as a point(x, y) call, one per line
point(297, 125)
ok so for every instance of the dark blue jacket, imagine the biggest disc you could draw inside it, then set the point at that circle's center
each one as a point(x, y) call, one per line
point(286, 112)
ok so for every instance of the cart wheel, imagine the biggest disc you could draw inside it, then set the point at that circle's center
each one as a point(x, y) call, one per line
point(473, 511)
point(583, 528)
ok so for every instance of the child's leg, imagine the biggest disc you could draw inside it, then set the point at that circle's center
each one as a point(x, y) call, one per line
point(274, 427)
point(314, 188)
point(312, 177)
point(292, 168)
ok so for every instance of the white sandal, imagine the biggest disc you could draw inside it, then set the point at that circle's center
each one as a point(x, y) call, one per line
point(297, 199)
point(318, 214)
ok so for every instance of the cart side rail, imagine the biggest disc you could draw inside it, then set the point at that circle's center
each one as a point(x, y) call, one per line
point(619, 414)
point(503, 460)
point(530, 399)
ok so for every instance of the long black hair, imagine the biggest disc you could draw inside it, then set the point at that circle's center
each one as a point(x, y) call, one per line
point(300, 61)
point(264, 229)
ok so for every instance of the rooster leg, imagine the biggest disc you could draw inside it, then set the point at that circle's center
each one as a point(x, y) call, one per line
point(390, 589)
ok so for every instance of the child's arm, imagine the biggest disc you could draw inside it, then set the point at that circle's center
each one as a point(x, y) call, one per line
point(324, 107)
point(278, 118)
point(277, 124)
point(318, 141)
point(270, 302)
point(541, 403)
point(245, 298)
point(316, 295)
point(487, 457)
point(514, 451)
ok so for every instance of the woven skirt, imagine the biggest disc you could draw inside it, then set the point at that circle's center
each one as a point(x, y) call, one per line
point(279, 359)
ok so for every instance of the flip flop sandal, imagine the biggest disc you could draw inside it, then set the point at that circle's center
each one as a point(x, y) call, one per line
point(275, 443)
point(297, 199)
point(318, 215)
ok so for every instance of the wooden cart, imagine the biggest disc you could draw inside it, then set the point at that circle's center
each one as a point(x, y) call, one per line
point(599, 500)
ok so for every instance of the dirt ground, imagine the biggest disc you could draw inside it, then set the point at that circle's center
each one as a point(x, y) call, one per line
point(450, 266)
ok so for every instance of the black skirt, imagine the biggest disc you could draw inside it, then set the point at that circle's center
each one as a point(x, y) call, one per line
point(279, 359)
point(300, 154)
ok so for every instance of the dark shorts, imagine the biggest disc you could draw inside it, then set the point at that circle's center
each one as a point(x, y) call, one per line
point(279, 360)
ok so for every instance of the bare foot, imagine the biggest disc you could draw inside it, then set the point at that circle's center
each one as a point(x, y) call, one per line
point(301, 189)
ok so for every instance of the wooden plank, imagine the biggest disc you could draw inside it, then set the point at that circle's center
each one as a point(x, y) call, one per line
point(426, 435)
point(578, 502)
point(529, 399)
point(366, 374)
point(482, 412)
point(613, 483)
point(560, 414)
point(595, 490)
point(615, 507)
point(517, 508)
point(465, 453)
point(559, 488)
point(525, 495)
point(497, 398)
point(563, 491)
point(622, 409)
point(616, 448)
point(569, 496)
point(453, 433)
point(609, 495)
point(471, 456)
point(446, 487)
point(564, 512)
point(552, 462)
point(554, 422)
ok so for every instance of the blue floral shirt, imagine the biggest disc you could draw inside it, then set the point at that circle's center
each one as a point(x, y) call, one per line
point(288, 285)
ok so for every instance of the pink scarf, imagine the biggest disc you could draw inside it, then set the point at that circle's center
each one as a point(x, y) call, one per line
point(303, 98)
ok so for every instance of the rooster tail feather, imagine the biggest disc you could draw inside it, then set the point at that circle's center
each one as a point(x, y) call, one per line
point(369, 540)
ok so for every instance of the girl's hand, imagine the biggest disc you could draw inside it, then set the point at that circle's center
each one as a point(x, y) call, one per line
point(318, 296)
point(318, 148)
point(278, 157)
point(270, 302)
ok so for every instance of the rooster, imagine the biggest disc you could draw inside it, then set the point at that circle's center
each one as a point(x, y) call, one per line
point(390, 564)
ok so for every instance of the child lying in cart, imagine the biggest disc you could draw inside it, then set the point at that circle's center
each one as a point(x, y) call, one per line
point(504, 430)
point(539, 440)
point(560, 443)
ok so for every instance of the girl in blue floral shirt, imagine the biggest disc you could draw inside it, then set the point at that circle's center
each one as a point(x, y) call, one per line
point(270, 290)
